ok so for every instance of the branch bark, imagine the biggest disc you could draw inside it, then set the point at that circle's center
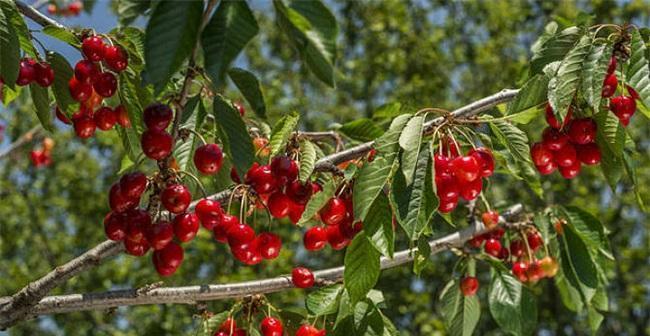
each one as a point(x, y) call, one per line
point(23, 139)
point(193, 294)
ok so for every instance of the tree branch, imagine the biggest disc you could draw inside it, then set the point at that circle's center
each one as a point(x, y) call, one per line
point(37, 16)
point(198, 293)
point(23, 139)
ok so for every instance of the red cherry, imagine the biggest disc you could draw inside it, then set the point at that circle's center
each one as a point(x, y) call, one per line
point(240, 108)
point(105, 84)
point(476, 241)
point(239, 234)
point(271, 327)
point(295, 212)
point(448, 205)
point(540, 155)
point(504, 253)
point(299, 192)
point(105, 118)
point(156, 145)
point(565, 156)
point(469, 286)
point(162, 269)
point(485, 160)
point(334, 211)
point(571, 171)
point(612, 65)
point(176, 198)
point(517, 248)
point(315, 238)
point(534, 240)
point(136, 248)
point(171, 256)
point(465, 168)
point(519, 271)
point(490, 219)
point(269, 245)
point(335, 238)
point(302, 277)
point(62, 117)
point(44, 74)
point(623, 106)
point(26, 72)
point(447, 187)
point(118, 201)
point(609, 86)
point(84, 126)
point(261, 179)
point(80, 91)
point(122, 116)
point(228, 325)
point(284, 169)
point(471, 190)
point(85, 70)
point(115, 58)
point(441, 164)
point(588, 154)
point(93, 48)
point(449, 147)
point(208, 159)
point(133, 184)
point(535, 271)
point(582, 131)
point(138, 221)
point(309, 330)
point(186, 226)
point(209, 212)
point(157, 116)
point(547, 169)
point(553, 122)
point(553, 140)
point(160, 234)
point(279, 204)
point(115, 226)
point(220, 230)
point(75, 7)
point(497, 233)
point(247, 253)
point(348, 230)
point(633, 92)
point(234, 176)
point(493, 247)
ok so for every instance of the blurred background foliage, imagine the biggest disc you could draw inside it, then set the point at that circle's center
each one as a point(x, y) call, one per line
point(417, 52)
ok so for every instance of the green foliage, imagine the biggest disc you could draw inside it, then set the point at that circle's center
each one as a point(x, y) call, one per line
point(62, 74)
point(42, 105)
point(281, 133)
point(361, 267)
point(237, 142)
point(250, 88)
point(638, 72)
point(512, 305)
point(461, 313)
point(9, 44)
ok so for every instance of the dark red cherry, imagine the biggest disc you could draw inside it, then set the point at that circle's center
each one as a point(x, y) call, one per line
point(156, 145)
point(469, 286)
point(269, 245)
point(335, 238)
point(534, 240)
point(122, 116)
point(609, 86)
point(471, 190)
point(115, 226)
point(239, 234)
point(540, 155)
point(299, 192)
point(565, 156)
point(85, 71)
point(208, 159)
point(334, 211)
point(279, 204)
point(62, 117)
point(271, 327)
point(295, 212)
point(548, 168)
point(80, 91)
point(228, 325)
point(517, 248)
point(157, 116)
point(302, 277)
point(159, 234)
point(162, 269)
point(448, 205)
point(138, 221)
point(284, 169)
point(176, 198)
point(44, 74)
point(465, 168)
point(84, 126)
point(261, 179)
point(535, 271)
point(632, 92)
point(186, 226)
point(220, 230)
point(136, 248)
point(209, 212)
point(26, 72)
point(348, 230)
point(118, 201)
point(612, 65)
point(519, 270)
point(571, 171)
point(588, 154)
point(133, 184)
point(623, 106)
point(93, 48)
point(315, 238)
point(447, 187)
point(485, 160)
point(582, 131)
point(171, 256)
point(493, 247)
point(115, 58)
point(105, 118)
point(105, 84)
point(309, 330)
point(553, 122)
point(553, 139)
point(441, 164)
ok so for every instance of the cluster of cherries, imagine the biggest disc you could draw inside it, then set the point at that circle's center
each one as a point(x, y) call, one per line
point(566, 146)
point(460, 175)
point(622, 106)
point(92, 82)
point(339, 229)
point(270, 326)
point(31, 71)
point(72, 9)
point(41, 157)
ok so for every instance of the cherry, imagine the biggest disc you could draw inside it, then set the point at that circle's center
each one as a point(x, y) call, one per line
point(85, 70)
point(517, 248)
point(476, 241)
point(485, 160)
point(240, 233)
point(441, 164)
point(75, 7)
point(299, 192)
point(84, 126)
point(138, 222)
point(548, 168)
point(105, 84)
point(465, 168)
point(588, 154)
point(565, 156)
point(279, 204)
point(549, 266)
point(115, 58)
point(571, 171)
point(51, 9)
point(105, 118)
point(269, 245)
point(62, 117)
point(234, 176)
point(157, 116)
point(208, 159)
point(271, 327)
point(450, 147)
point(609, 86)
point(493, 247)
point(26, 72)
point(122, 116)
point(44, 75)
point(80, 91)
point(315, 238)
point(171, 255)
point(490, 219)
point(471, 190)
point(261, 179)
point(93, 48)
point(240, 108)
point(519, 270)
point(335, 238)
point(176, 198)
point(284, 169)
point(504, 253)
point(262, 146)
point(115, 226)
point(469, 286)
point(228, 325)
point(623, 106)
point(540, 155)
point(309, 330)
point(186, 226)
point(534, 272)
point(247, 253)
point(133, 184)
point(633, 92)
point(118, 201)
point(553, 139)
point(209, 212)
point(295, 211)
point(334, 211)
point(497, 233)
point(348, 230)
point(612, 65)
point(136, 248)
point(552, 121)
point(447, 187)
point(159, 235)
point(162, 269)
point(534, 240)
point(582, 131)
point(156, 144)
point(448, 205)
point(302, 277)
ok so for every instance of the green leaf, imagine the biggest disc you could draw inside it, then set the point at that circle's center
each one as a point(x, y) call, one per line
point(238, 144)
point(513, 138)
point(317, 201)
point(422, 200)
point(307, 160)
point(594, 72)
point(532, 94)
point(611, 132)
point(638, 72)
point(312, 29)
point(62, 34)
point(372, 177)
point(232, 26)
point(460, 313)
point(361, 267)
point(422, 256)
point(378, 226)
point(554, 47)
point(18, 23)
point(389, 110)
point(9, 45)
point(129, 10)
point(250, 88)
point(562, 88)
point(590, 230)
point(281, 133)
point(512, 305)
point(210, 325)
point(185, 149)
point(410, 141)
point(568, 293)
point(362, 129)
point(62, 75)
point(630, 170)
point(324, 301)
point(543, 224)
point(127, 84)
point(170, 37)
point(42, 103)
point(595, 319)
point(130, 142)
point(577, 265)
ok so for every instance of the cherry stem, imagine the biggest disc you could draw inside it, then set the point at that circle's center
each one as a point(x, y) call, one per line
point(459, 129)
point(485, 202)
point(198, 182)
point(197, 134)
point(451, 135)
point(471, 266)
point(528, 251)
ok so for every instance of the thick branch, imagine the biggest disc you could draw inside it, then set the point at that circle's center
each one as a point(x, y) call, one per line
point(194, 294)
point(37, 16)
point(23, 139)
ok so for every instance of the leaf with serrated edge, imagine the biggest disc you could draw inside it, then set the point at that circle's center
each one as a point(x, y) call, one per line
point(379, 227)
point(410, 141)
point(638, 71)
point(422, 201)
point(62, 75)
point(362, 129)
point(18, 23)
point(62, 34)
point(511, 304)
point(533, 93)
point(209, 326)
point(324, 301)
point(239, 145)
point(361, 267)
point(250, 88)
point(594, 72)
point(42, 104)
point(317, 201)
point(281, 133)
point(460, 313)
point(611, 131)
point(554, 48)
point(307, 160)
point(9, 46)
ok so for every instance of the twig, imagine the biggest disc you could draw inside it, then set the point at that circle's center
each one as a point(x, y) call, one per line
point(37, 16)
point(23, 139)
